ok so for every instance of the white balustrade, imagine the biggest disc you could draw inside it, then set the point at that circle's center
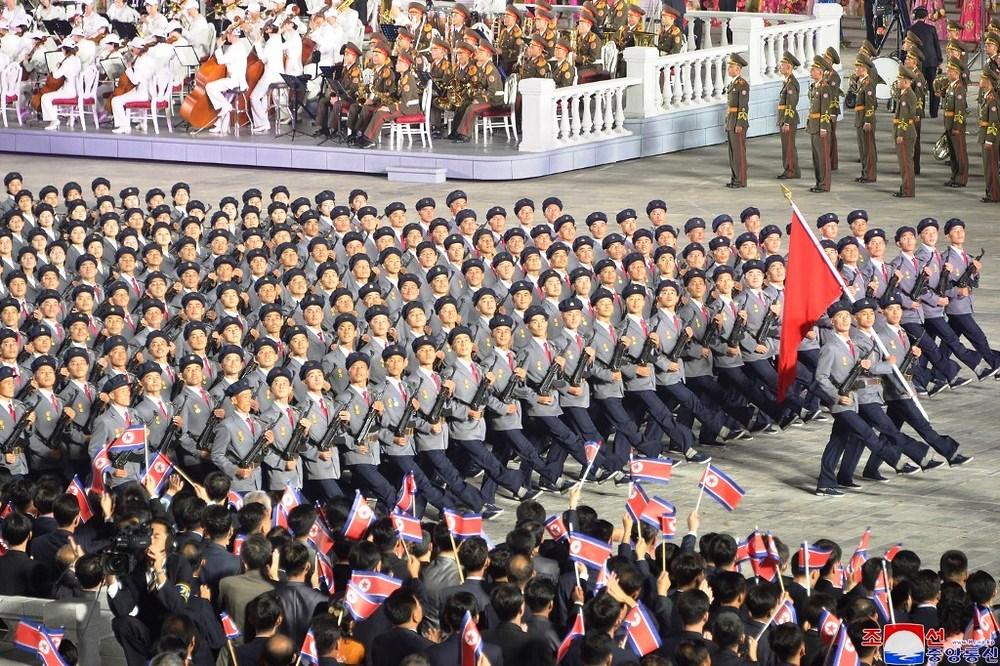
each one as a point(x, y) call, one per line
point(559, 117)
point(680, 81)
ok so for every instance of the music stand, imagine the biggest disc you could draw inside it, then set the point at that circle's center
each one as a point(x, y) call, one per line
point(296, 98)
point(127, 31)
point(53, 59)
point(113, 67)
point(391, 31)
point(59, 27)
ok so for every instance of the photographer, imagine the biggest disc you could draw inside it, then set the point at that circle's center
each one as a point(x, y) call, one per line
point(146, 581)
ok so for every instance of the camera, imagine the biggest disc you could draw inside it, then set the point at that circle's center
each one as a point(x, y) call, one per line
point(120, 557)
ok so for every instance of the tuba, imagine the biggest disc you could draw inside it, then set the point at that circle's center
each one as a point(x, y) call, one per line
point(941, 148)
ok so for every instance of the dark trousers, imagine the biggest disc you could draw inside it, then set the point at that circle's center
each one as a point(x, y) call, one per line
point(990, 171)
point(916, 145)
point(626, 429)
point(943, 368)
point(905, 411)
point(738, 156)
point(935, 100)
point(371, 483)
point(563, 442)
point(134, 637)
point(950, 343)
point(789, 153)
point(321, 490)
point(738, 379)
point(965, 325)
point(714, 397)
point(510, 444)
point(904, 155)
point(834, 150)
point(400, 466)
point(496, 475)
point(958, 155)
point(805, 377)
point(896, 443)
point(768, 376)
point(609, 458)
point(680, 397)
point(821, 159)
point(869, 153)
point(437, 462)
point(662, 420)
point(849, 434)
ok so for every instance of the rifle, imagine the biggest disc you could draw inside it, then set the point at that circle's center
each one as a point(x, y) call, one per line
point(51, 442)
point(371, 419)
point(890, 288)
point(334, 430)
point(765, 327)
point(618, 353)
point(965, 279)
point(439, 362)
point(507, 394)
point(437, 409)
point(202, 443)
point(849, 384)
point(248, 368)
point(256, 452)
point(739, 330)
point(405, 425)
point(170, 328)
point(173, 431)
point(96, 409)
point(712, 333)
point(581, 365)
point(682, 342)
point(919, 284)
point(549, 379)
point(296, 441)
point(18, 434)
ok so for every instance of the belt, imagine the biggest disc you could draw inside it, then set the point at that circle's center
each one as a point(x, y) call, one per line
point(859, 107)
point(983, 123)
point(733, 109)
point(814, 115)
point(949, 114)
point(781, 107)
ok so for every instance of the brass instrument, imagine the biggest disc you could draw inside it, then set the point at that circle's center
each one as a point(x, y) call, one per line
point(385, 16)
point(941, 148)
point(643, 38)
point(366, 86)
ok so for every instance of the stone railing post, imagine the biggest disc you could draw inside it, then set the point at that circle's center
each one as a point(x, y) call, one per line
point(829, 33)
point(747, 33)
point(640, 100)
point(538, 130)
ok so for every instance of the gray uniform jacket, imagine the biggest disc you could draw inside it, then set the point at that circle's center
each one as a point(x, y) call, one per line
point(460, 426)
point(357, 405)
point(835, 362)
point(107, 427)
point(320, 422)
point(603, 384)
point(234, 437)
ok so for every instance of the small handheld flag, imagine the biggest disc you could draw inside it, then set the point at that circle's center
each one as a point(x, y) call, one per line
point(472, 642)
point(721, 487)
point(636, 502)
point(588, 550)
point(407, 527)
point(308, 652)
point(76, 490)
point(642, 635)
point(358, 604)
point(652, 470)
point(359, 519)
point(132, 439)
point(160, 468)
point(556, 528)
point(574, 632)
point(375, 585)
point(229, 627)
point(407, 502)
point(463, 525)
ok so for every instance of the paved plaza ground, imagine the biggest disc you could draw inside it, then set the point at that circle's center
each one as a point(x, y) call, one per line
point(929, 513)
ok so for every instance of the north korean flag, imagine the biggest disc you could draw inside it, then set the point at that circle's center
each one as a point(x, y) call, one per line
point(308, 652)
point(319, 535)
point(6, 511)
point(893, 551)
point(279, 516)
point(590, 551)
point(636, 502)
point(642, 635)
point(229, 627)
point(837, 580)
point(742, 551)
point(34, 638)
point(656, 507)
point(556, 528)
point(358, 604)
point(375, 585)
point(472, 642)
point(987, 622)
point(132, 439)
point(325, 571)
point(76, 490)
point(721, 487)
point(463, 525)
point(238, 541)
point(769, 566)
point(842, 653)
point(407, 527)
point(574, 632)
point(291, 498)
point(407, 502)
point(98, 467)
point(829, 625)
point(235, 500)
point(785, 613)
point(28, 635)
point(880, 595)
point(652, 470)
point(359, 519)
point(814, 557)
point(590, 450)
point(160, 468)
point(668, 526)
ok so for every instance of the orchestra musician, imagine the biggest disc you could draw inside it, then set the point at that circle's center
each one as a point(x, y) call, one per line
point(197, 29)
point(563, 71)
point(13, 12)
point(141, 73)
point(509, 39)
point(46, 11)
point(234, 57)
point(588, 44)
point(34, 59)
point(543, 29)
point(291, 44)
point(487, 93)
point(383, 85)
point(625, 34)
point(535, 64)
point(405, 101)
point(404, 43)
point(423, 30)
point(329, 36)
point(272, 54)
point(153, 22)
point(331, 108)
point(121, 12)
point(458, 22)
point(617, 16)
point(13, 44)
point(69, 69)
point(670, 39)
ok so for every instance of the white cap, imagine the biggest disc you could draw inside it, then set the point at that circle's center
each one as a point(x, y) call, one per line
point(253, 7)
point(191, 4)
point(153, 2)
point(137, 43)
point(332, 11)
point(174, 26)
point(78, 32)
point(86, 2)
point(37, 34)
point(112, 39)
point(68, 44)
point(19, 23)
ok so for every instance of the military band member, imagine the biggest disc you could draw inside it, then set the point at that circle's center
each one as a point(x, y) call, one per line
point(865, 106)
point(737, 121)
point(904, 133)
point(625, 35)
point(534, 64)
point(818, 124)
point(350, 78)
point(833, 79)
point(616, 16)
point(563, 71)
point(788, 116)
point(441, 72)
point(383, 86)
point(670, 38)
point(488, 93)
point(914, 60)
point(542, 29)
point(956, 108)
point(989, 134)
point(509, 40)
point(405, 101)
point(588, 44)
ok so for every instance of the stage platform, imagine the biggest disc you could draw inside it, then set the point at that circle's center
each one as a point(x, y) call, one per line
point(496, 160)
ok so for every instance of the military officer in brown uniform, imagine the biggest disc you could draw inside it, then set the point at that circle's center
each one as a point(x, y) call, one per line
point(509, 40)
point(904, 133)
point(465, 77)
point(818, 124)
point(915, 60)
point(543, 29)
point(441, 73)
point(600, 11)
point(616, 17)
point(535, 64)
point(788, 116)
point(864, 118)
point(383, 87)
point(956, 107)
point(625, 34)
point(670, 39)
point(350, 78)
point(488, 93)
point(417, 12)
point(405, 101)
point(989, 134)
point(833, 78)
point(737, 120)
point(588, 44)
point(563, 71)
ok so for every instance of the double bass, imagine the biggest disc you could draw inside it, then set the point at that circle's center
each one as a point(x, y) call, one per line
point(197, 109)
point(52, 84)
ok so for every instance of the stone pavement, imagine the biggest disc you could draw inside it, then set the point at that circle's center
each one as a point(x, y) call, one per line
point(928, 513)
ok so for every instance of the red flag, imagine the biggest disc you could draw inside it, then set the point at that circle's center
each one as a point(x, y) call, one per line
point(668, 525)
point(160, 468)
point(100, 464)
point(238, 542)
point(636, 502)
point(893, 551)
point(407, 495)
point(811, 285)
point(641, 631)
point(320, 535)
point(721, 487)
point(76, 490)
point(358, 604)
point(590, 450)
point(463, 525)
point(592, 552)
point(308, 651)
point(575, 631)
point(291, 498)
point(472, 642)
point(556, 528)
point(829, 625)
point(407, 527)
point(814, 557)
point(235, 500)
point(375, 585)
point(359, 519)
point(229, 627)
point(652, 470)
point(279, 517)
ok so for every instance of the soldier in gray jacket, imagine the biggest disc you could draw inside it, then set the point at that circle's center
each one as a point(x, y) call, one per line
point(196, 408)
point(79, 394)
point(11, 411)
point(153, 410)
point(45, 446)
point(110, 425)
point(282, 466)
point(235, 438)
point(320, 453)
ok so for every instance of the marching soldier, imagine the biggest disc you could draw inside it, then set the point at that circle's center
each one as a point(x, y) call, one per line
point(989, 133)
point(670, 39)
point(12, 411)
point(588, 44)
point(153, 410)
point(956, 107)
point(833, 79)
point(45, 450)
point(509, 40)
point(563, 71)
point(914, 60)
point(110, 425)
point(235, 438)
point(904, 133)
point(865, 105)
point(488, 93)
point(281, 463)
point(788, 117)
point(737, 121)
point(818, 124)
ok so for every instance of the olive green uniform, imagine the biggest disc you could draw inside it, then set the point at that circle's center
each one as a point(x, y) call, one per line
point(738, 116)
point(956, 107)
point(788, 123)
point(818, 126)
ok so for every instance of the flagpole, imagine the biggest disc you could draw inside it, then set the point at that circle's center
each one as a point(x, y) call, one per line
point(586, 473)
point(232, 652)
point(888, 592)
point(805, 558)
point(843, 287)
point(454, 550)
point(770, 619)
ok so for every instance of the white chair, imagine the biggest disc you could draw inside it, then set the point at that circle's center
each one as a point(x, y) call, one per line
point(609, 57)
point(159, 100)
point(10, 90)
point(86, 95)
point(418, 124)
point(500, 116)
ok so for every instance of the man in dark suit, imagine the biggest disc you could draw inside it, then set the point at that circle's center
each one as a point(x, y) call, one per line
point(692, 607)
point(449, 651)
point(930, 47)
point(66, 511)
point(539, 600)
point(264, 615)
point(473, 555)
point(19, 574)
point(925, 592)
point(515, 643)
point(299, 600)
point(602, 615)
point(217, 561)
point(403, 610)
point(727, 631)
